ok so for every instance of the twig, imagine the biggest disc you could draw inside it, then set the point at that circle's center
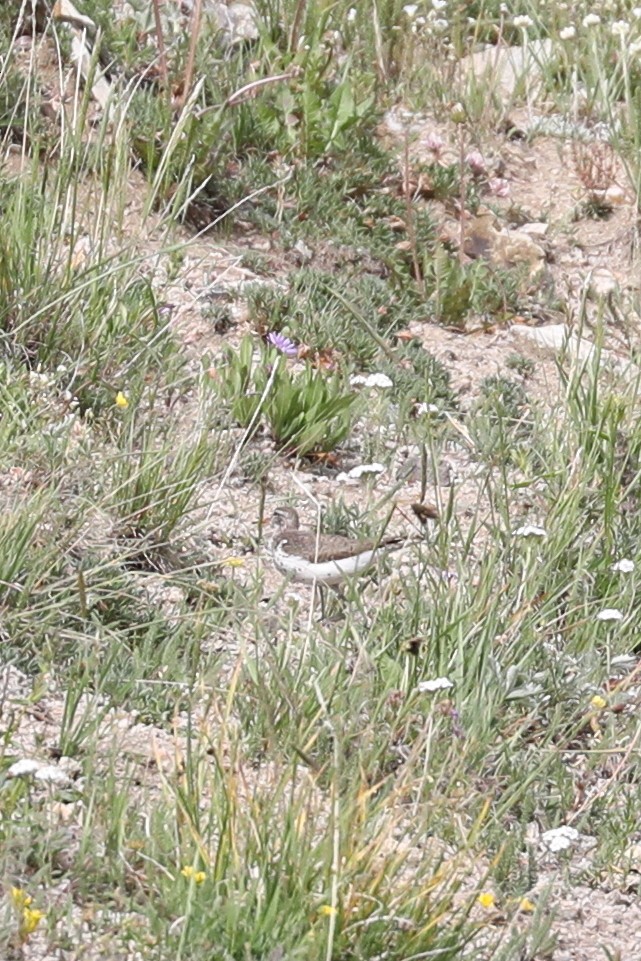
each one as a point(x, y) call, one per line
point(162, 53)
point(461, 242)
point(82, 27)
point(378, 44)
point(294, 36)
point(409, 212)
point(244, 93)
point(239, 96)
point(194, 29)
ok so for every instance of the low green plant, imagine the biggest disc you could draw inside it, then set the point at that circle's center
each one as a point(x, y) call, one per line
point(419, 376)
point(455, 290)
point(502, 419)
point(324, 311)
point(305, 411)
point(521, 365)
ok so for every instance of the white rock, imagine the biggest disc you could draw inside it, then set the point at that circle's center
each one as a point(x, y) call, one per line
point(362, 469)
point(530, 530)
point(556, 337)
point(23, 768)
point(602, 282)
point(615, 195)
point(50, 774)
point(624, 566)
point(609, 614)
point(501, 69)
point(236, 21)
point(560, 839)
point(537, 230)
point(437, 684)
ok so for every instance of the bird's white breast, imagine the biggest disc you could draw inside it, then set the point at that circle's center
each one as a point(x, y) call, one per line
point(327, 572)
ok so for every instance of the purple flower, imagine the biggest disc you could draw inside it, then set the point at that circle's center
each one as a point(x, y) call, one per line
point(283, 344)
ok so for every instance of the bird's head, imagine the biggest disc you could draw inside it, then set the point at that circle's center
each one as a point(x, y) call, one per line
point(285, 519)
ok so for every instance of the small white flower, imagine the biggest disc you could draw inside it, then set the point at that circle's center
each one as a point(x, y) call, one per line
point(437, 684)
point(636, 12)
point(530, 530)
point(23, 768)
point(568, 33)
point(51, 775)
point(624, 566)
point(410, 9)
point(560, 839)
point(372, 380)
point(609, 614)
point(440, 4)
point(523, 21)
point(421, 409)
point(379, 380)
point(441, 25)
point(591, 20)
point(620, 28)
point(351, 15)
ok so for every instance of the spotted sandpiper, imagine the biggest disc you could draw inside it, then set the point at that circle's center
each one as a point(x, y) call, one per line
point(323, 558)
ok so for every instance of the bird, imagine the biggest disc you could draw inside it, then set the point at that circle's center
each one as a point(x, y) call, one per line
point(327, 559)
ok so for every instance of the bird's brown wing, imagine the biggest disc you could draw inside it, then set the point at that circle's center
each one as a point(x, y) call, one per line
point(333, 547)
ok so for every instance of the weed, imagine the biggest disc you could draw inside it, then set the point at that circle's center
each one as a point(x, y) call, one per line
point(306, 411)
point(523, 366)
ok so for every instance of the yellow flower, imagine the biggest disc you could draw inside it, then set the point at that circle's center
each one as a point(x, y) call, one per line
point(234, 562)
point(486, 899)
point(598, 702)
point(121, 401)
point(526, 905)
point(20, 898)
point(31, 918)
point(327, 911)
point(192, 874)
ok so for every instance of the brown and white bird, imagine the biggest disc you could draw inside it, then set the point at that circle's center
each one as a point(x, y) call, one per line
point(325, 558)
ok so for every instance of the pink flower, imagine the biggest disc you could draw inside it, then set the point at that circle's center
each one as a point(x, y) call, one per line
point(499, 186)
point(476, 162)
point(433, 143)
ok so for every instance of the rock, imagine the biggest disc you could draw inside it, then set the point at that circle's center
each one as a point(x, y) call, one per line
point(615, 196)
point(602, 282)
point(559, 338)
point(513, 247)
point(480, 235)
point(236, 21)
point(504, 247)
point(536, 230)
point(501, 69)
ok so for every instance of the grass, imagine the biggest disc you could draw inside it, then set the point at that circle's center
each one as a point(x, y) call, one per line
point(233, 777)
